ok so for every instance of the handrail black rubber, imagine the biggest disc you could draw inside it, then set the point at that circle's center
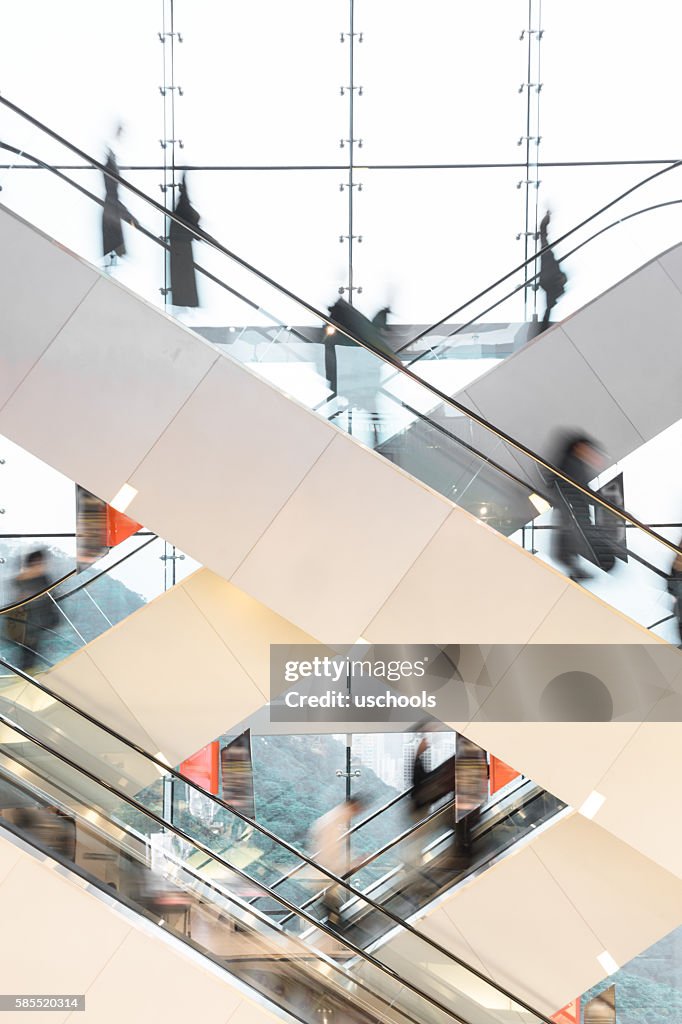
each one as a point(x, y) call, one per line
point(268, 923)
point(252, 823)
point(548, 247)
point(199, 845)
point(67, 576)
point(444, 398)
point(498, 302)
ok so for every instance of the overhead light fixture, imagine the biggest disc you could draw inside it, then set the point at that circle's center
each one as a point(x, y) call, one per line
point(123, 498)
point(607, 962)
point(592, 805)
point(539, 503)
point(329, 330)
point(484, 510)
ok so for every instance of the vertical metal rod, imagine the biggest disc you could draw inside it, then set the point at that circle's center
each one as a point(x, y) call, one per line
point(527, 274)
point(351, 152)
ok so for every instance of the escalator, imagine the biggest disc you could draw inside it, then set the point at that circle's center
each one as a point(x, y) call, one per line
point(426, 861)
point(267, 539)
point(406, 873)
point(85, 810)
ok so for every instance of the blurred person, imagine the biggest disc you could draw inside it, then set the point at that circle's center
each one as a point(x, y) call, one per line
point(33, 620)
point(374, 332)
point(581, 459)
point(420, 799)
point(182, 274)
point(552, 279)
point(675, 588)
point(332, 851)
point(113, 211)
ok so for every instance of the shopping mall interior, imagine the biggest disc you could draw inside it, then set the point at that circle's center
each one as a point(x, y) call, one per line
point(337, 359)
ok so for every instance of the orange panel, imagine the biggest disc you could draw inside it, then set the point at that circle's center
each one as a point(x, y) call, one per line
point(569, 1015)
point(119, 527)
point(500, 774)
point(202, 767)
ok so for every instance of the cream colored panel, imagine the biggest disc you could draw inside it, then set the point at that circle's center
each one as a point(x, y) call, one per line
point(251, 1013)
point(106, 388)
point(226, 464)
point(566, 758)
point(60, 937)
point(172, 669)
point(50, 946)
point(515, 914)
point(40, 287)
point(631, 338)
point(246, 626)
point(579, 617)
point(556, 903)
point(600, 874)
point(642, 790)
point(469, 584)
point(147, 981)
point(343, 541)
point(439, 927)
point(9, 857)
point(79, 680)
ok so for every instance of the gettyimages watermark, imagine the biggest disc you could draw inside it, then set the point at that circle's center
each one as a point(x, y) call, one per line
point(456, 683)
point(363, 683)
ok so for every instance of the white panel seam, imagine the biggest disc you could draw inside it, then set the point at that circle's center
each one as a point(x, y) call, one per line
point(429, 539)
point(603, 384)
point(177, 412)
point(50, 343)
point(86, 652)
point(225, 644)
point(532, 850)
point(669, 276)
point(284, 504)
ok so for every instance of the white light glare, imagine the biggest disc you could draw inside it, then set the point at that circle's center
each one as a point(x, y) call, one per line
point(122, 499)
point(593, 804)
point(607, 962)
point(540, 504)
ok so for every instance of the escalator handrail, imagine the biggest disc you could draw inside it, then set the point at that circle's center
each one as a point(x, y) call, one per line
point(470, 414)
point(199, 845)
point(188, 868)
point(571, 252)
point(442, 809)
point(567, 234)
point(494, 800)
point(166, 769)
point(38, 594)
point(67, 576)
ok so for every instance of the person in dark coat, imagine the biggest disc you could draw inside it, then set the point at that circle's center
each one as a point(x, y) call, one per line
point(36, 620)
point(552, 278)
point(113, 211)
point(581, 460)
point(675, 588)
point(182, 274)
point(419, 800)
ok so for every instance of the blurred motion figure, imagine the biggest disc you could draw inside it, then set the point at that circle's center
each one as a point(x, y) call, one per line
point(332, 850)
point(581, 459)
point(675, 588)
point(29, 625)
point(113, 211)
point(182, 275)
point(552, 279)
